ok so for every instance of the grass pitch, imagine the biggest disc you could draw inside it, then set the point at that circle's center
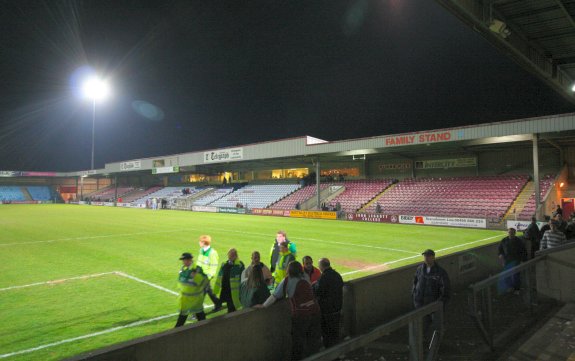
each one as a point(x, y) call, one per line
point(75, 278)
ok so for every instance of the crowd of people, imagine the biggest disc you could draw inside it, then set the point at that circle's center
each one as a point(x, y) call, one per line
point(315, 294)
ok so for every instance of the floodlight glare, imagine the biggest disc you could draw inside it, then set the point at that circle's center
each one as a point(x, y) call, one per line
point(96, 89)
point(573, 88)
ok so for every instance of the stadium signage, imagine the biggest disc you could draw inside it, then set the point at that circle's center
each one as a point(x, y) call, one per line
point(522, 225)
point(423, 138)
point(224, 155)
point(135, 164)
point(9, 173)
point(231, 210)
point(270, 212)
point(204, 209)
point(370, 217)
point(466, 263)
point(395, 166)
point(444, 221)
point(446, 163)
point(313, 214)
point(164, 170)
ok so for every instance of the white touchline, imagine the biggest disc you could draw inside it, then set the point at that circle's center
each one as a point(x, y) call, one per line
point(57, 281)
point(406, 258)
point(103, 332)
point(146, 283)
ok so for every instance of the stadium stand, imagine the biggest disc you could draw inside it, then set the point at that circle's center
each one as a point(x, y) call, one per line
point(40, 193)
point(161, 192)
point(108, 193)
point(256, 196)
point(544, 186)
point(299, 196)
point(9, 193)
point(213, 196)
point(139, 193)
point(484, 196)
point(358, 192)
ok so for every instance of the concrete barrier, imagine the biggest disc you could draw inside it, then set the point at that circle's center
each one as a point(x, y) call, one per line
point(556, 273)
point(265, 334)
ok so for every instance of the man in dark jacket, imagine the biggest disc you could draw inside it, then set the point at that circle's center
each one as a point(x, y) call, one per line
point(511, 253)
point(281, 237)
point(532, 235)
point(431, 282)
point(329, 293)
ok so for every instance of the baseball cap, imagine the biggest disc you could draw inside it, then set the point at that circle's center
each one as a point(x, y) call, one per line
point(428, 252)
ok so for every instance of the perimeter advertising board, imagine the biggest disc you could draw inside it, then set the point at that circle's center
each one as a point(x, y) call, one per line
point(444, 221)
point(313, 214)
point(370, 217)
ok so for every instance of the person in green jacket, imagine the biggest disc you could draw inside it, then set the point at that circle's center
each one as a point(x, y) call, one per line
point(285, 257)
point(192, 283)
point(209, 260)
point(228, 281)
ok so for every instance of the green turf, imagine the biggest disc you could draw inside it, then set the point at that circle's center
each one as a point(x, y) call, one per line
point(50, 242)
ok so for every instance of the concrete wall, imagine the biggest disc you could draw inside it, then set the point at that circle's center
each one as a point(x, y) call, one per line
point(556, 193)
point(556, 274)
point(262, 334)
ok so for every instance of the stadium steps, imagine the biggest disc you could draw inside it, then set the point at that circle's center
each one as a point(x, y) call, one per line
point(200, 194)
point(376, 198)
point(519, 202)
point(26, 194)
point(553, 341)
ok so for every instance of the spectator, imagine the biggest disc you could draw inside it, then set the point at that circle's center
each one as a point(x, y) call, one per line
point(328, 291)
point(306, 315)
point(284, 259)
point(281, 237)
point(311, 273)
point(378, 208)
point(558, 211)
point(553, 237)
point(192, 283)
point(228, 282)
point(570, 229)
point(209, 260)
point(545, 227)
point(511, 253)
point(254, 290)
point(268, 278)
point(431, 282)
point(561, 224)
point(531, 234)
point(297, 206)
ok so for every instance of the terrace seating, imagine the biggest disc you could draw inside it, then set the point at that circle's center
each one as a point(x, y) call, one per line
point(107, 195)
point(40, 193)
point(256, 196)
point(474, 197)
point(359, 192)
point(529, 209)
point(9, 193)
point(140, 193)
point(298, 196)
point(161, 192)
point(212, 197)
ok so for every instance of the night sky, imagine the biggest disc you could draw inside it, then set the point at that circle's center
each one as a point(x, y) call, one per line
point(221, 73)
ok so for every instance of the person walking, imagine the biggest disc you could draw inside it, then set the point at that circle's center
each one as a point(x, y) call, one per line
point(328, 291)
point(511, 253)
point(553, 237)
point(305, 311)
point(192, 284)
point(284, 259)
point(253, 290)
point(228, 281)
point(532, 235)
point(209, 260)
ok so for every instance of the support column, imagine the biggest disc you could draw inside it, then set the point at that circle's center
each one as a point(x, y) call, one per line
point(81, 188)
point(317, 183)
point(536, 175)
point(115, 188)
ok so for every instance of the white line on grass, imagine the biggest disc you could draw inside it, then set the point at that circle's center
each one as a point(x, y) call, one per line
point(58, 281)
point(103, 332)
point(146, 283)
point(406, 258)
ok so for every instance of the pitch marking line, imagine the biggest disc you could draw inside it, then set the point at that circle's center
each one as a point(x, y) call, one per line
point(103, 332)
point(406, 258)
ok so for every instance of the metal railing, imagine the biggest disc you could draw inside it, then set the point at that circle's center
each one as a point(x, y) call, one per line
point(414, 320)
point(480, 299)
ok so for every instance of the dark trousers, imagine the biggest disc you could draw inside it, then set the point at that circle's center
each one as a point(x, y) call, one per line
point(306, 336)
point(231, 306)
point(330, 324)
point(182, 318)
point(214, 298)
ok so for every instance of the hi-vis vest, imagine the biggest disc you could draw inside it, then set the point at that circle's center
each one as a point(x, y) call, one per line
point(192, 283)
point(209, 261)
point(235, 280)
point(281, 267)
